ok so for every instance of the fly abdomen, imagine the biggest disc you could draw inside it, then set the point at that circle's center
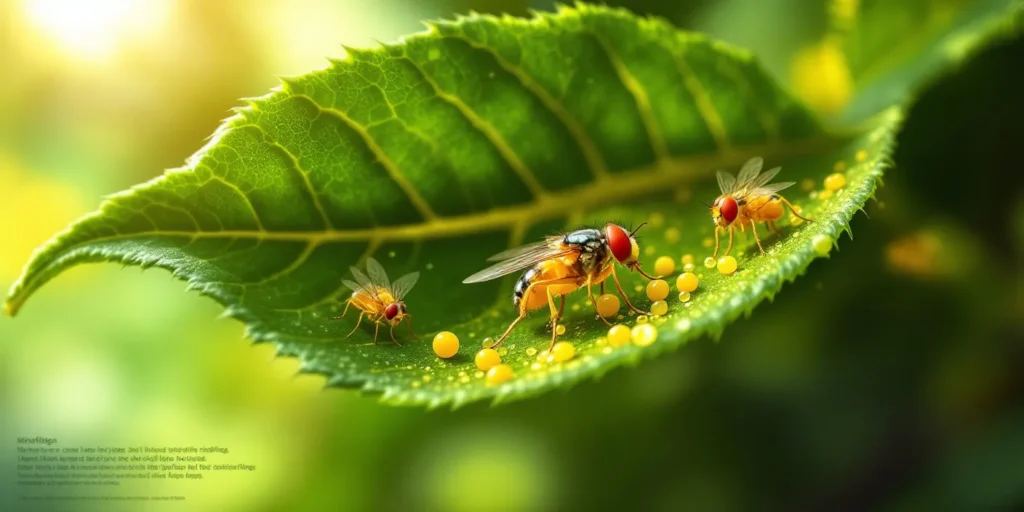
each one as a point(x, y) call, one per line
point(522, 284)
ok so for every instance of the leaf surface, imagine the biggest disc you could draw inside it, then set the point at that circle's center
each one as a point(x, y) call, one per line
point(479, 135)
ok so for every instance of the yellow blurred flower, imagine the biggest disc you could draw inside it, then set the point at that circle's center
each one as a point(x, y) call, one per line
point(35, 208)
point(821, 76)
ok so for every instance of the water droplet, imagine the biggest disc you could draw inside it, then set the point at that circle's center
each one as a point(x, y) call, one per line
point(488, 341)
point(531, 351)
point(502, 351)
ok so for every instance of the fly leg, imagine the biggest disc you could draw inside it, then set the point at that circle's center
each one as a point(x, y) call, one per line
point(623, 294)
point(753, 228)
point(716, 242)
point(555, 316)
point(393, 335)
point(774, 229)
point(408, 322)
point(522, 304)
point(793, 210)
point(347, 304)
point(357, 324)
point(376, 329)
point(732, 232)
point(590, 294)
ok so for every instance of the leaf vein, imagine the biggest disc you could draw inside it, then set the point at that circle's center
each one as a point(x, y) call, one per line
point(598, 167)
point(396, 174)
point(525, 173)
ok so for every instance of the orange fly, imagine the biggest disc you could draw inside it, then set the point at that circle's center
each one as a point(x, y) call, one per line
point(749, 199)
point(562, 264)
point(379, 299)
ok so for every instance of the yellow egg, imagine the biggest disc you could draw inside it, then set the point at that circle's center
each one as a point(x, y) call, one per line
point(727, 265)
point(487, 358)
point(709, 262)
point(446, 344)
point(835, 181)
point(642, 319)
point(607, 305)
point(562, 351)
point(657, 290)
point(659, 308)
point(664, 266)
point(821, 244)
point(560, 330)
point(644, 334)
point(825, 194)
point(687, 282)
point(684, 296)
point(618, 335)
point(498, 374)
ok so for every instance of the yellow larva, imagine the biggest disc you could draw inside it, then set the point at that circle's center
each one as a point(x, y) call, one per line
point(607, 305)
point(727, 265)
point(687, 282)
point(618, 335)
point(446, 344)
point(487, 358)
point(562, 351)
point(657, 290)
point(664, 266)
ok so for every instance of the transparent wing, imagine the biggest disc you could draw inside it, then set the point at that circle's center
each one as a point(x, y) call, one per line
point(749, 171)
point(726, 183)
point(364, 282)
point(535, 254)
point(403, 284)
point(377, 274)
point(523, 249)
point(768, 190)
point(351, 286)
point(763, 179)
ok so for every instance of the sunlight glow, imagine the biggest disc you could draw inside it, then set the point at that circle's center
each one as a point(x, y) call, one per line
point(94, 29)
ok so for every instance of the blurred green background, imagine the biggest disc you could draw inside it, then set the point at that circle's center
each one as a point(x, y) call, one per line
point(889, 377)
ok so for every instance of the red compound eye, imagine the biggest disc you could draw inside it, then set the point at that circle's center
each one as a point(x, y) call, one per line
point(728, 208)
point(618, 241)
point(391, 311)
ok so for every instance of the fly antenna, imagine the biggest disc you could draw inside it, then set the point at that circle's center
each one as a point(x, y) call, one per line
point(705, 204)
point(642, 224)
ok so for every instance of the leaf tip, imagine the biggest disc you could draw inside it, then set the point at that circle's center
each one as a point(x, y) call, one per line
point(10, 309)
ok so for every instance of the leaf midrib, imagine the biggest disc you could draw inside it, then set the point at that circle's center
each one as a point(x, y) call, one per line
point(663, 174)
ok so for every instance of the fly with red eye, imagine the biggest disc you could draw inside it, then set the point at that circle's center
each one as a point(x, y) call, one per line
point(562, 264)
point(749, 199)
point(379, 299)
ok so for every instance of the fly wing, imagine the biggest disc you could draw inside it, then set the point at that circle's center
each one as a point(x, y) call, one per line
point(527, 257)
point(516, 251)
point(364, 282)
point(764, 178)
point(749, 171)
point(726, 183)
point(768, 190)
point(403, 284)
point(377, 274)
point(351, 286)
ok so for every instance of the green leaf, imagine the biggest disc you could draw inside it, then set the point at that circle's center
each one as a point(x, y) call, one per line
point(893, 47)
point(437, 152)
